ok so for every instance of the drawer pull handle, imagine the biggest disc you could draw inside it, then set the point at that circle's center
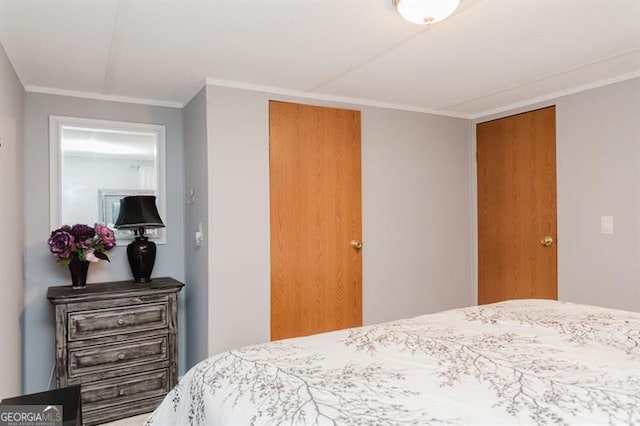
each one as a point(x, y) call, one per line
point(120, 356)
point(120, 321)
point(121, 392)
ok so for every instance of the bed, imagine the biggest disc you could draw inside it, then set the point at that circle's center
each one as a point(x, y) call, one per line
point(525, 361)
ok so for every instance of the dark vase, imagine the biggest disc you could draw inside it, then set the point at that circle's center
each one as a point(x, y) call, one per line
point(78, 269)
point(142, 255)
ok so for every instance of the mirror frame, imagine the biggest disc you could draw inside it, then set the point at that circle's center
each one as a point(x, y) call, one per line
point(57, 122)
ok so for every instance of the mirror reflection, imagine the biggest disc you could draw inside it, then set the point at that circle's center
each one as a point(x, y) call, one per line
point(98, 166)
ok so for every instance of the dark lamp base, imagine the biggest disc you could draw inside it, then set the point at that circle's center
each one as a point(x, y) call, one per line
point(142, 256)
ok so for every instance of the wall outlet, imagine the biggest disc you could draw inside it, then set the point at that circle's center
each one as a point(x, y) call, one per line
point(606, 224)
point(199, 235)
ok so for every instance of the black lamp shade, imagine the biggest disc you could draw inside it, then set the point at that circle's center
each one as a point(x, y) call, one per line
point(139, 212)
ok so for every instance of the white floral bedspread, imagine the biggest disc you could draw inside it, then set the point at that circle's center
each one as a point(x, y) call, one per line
point(527, 361)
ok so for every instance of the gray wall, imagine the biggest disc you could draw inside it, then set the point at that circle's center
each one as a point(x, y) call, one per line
point(416, 214)
point(40, 267)
point(599, 175)
point(238, 155)
point(196, 212)
point(12, 218)
point(416, 221)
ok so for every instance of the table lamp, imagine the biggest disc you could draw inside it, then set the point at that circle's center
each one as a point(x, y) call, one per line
point(137, 213)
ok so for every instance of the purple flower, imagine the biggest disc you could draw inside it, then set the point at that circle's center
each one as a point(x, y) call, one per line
point(61, 242)
point(107, 236)
point(83, 235)
point(82, 241)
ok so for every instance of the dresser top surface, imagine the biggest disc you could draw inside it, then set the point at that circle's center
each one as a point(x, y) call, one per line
point(66, 293)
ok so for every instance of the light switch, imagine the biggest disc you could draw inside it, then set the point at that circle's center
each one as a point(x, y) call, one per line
point(606, 225)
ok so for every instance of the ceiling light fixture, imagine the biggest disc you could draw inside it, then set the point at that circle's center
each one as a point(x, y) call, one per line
point(425, 11)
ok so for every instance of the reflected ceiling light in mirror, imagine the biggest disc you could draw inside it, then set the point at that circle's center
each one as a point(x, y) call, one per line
point(105, 148)
point(425, 11)
point(90, 142)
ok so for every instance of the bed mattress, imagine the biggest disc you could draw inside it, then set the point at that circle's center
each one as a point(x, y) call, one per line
point(524, 361)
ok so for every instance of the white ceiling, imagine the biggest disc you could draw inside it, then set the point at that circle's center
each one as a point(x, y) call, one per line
point(488, 56)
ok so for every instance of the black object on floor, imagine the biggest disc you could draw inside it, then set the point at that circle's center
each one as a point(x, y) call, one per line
point(69, 398)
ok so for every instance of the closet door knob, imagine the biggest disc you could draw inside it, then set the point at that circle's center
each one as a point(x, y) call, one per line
point(356, 244)
point(546, 241)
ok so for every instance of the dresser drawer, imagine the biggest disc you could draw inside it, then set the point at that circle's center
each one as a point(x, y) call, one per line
point(115, 321)
point(108, 357)
point(107, 393)
point(115, 412)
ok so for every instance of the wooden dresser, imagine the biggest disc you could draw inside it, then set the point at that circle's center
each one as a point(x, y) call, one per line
point(119, 341)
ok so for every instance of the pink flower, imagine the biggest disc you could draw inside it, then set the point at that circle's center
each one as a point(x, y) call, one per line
point(106, 235)
point(90, 256)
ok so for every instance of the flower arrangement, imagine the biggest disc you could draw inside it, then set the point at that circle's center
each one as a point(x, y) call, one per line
point(86, 243)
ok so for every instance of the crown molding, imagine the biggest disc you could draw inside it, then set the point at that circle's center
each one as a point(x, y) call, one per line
point(332, 98)
point(101, 97)
point(555, 95)
point(329, 98)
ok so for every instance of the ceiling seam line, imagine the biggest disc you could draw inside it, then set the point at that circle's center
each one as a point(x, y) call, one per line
point(366, 61)
point(106, 83)
point(387, 50)
point(517, 86)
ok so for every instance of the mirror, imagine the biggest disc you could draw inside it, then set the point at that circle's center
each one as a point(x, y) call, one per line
point(95, 163)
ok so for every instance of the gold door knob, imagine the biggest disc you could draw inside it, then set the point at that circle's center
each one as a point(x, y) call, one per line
point(356, 244)
point(546, 241)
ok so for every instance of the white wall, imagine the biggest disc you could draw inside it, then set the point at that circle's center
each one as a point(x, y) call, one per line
point(599, 175)
point(12, 220)
point(416, 221)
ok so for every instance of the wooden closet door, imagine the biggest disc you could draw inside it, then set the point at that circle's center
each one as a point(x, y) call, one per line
point(315, 190)
point(517, 207)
